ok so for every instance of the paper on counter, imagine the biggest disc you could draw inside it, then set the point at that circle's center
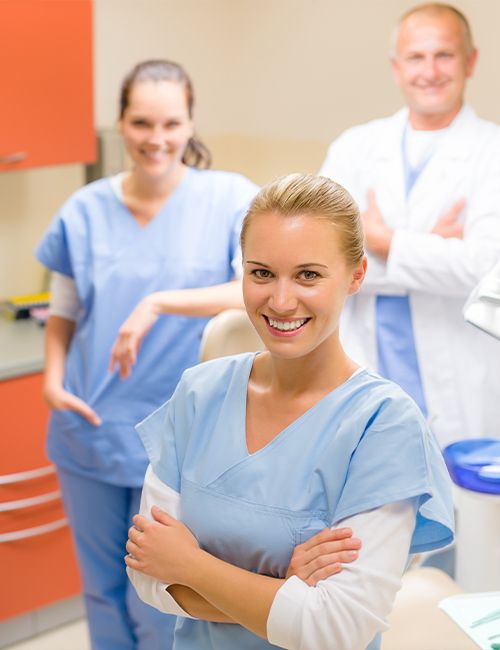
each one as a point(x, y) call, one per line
point(467, 609)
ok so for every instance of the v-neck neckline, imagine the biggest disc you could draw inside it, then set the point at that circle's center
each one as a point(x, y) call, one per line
point(168, 201)
point(290, 427)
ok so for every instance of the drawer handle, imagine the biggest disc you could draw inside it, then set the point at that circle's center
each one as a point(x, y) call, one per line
point(33, 532)
point(31, 501)
point(28, 475)
point(17, 156)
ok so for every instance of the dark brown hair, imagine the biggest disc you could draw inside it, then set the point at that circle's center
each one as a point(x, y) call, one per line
point(196, 153)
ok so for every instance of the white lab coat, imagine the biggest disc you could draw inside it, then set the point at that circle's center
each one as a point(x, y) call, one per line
point(460, 367)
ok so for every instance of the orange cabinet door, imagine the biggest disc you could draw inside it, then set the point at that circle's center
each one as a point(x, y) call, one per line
point(46, 112)
point(37, 560)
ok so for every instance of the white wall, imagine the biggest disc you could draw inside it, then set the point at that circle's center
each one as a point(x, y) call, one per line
point(301, 69)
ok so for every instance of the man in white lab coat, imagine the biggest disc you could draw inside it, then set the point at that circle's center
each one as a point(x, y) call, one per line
point(427, 181)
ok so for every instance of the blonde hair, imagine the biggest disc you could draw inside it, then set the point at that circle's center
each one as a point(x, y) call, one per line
point(319, 197)
point(435, 9)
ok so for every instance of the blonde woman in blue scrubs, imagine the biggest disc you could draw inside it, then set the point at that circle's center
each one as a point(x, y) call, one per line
point(168, 225)
point(256, 453)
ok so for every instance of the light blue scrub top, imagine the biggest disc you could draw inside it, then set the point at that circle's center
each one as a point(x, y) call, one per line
point(396, 351)
point(115, 263)
point(362, 446)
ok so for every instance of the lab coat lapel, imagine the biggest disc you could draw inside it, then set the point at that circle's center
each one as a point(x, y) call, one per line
point(439, 186)
point(388, 164)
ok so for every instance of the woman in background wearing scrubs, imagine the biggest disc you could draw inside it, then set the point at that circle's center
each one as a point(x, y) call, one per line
point(258, 452)
point(166, 225)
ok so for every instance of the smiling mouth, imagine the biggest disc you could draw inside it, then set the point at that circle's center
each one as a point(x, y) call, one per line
point(432, 87)
point(286, 325)
point(155, 153)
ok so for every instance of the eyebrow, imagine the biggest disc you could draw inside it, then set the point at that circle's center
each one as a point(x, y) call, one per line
point(299, 266)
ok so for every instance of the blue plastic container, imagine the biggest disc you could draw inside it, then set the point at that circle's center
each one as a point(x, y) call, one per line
point(475, 464)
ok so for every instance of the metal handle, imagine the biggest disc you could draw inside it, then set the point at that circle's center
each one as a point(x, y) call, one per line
point(27, 476)
point(33, 532)
point(31, 501)
point(17, 156)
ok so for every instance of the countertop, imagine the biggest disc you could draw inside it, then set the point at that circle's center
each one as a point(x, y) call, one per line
point(21, 347)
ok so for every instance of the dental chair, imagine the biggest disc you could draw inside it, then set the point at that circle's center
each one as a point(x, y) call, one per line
point(230, 332)
point(416, 622)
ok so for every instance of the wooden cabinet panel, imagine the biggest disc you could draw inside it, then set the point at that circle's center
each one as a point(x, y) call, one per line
point(37, 559)
point(46, 112)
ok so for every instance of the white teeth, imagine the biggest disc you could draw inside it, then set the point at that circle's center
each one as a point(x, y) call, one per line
point(155, 154)
point(284, 326)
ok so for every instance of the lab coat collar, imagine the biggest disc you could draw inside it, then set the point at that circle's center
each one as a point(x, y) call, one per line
point(461, 134)
point(456, 144)
point(454, 149)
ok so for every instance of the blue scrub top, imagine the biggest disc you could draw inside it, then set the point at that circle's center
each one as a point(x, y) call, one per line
point(115, 263)
point(362, 446)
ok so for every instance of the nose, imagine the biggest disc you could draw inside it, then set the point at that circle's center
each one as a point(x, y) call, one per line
point(283, 299)
point(156, 136)
point(430, 68)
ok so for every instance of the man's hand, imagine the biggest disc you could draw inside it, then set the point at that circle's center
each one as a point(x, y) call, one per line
point(448, 224)
point(378, 235)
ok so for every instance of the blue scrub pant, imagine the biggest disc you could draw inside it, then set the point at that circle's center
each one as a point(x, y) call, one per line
point(100, 515)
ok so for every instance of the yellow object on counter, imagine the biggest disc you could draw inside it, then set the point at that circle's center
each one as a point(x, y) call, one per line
point(17, 307)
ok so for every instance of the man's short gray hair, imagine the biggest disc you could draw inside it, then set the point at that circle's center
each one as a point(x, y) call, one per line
point(434, 9)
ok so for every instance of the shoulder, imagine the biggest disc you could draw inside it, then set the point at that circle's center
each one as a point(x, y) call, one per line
point(221, 196)
point(354, 149)
point(384, 406)
point(99, 188)
point(478, 133)
point(469, 118)
point(476, 142)
point(87, 198)
point(209, 378)
point(221, 181)
point(365, 133)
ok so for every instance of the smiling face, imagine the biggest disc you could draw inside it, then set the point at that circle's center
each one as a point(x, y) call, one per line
point(156, 127)
point(295, 282)
point(431, 66)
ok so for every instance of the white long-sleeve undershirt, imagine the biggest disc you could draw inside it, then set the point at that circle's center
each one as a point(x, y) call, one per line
point(64, 300)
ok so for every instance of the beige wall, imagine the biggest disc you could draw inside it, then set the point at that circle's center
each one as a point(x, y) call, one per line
point(276, 80)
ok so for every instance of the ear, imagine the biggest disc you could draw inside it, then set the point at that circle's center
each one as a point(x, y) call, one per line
point(471, 63)
point(395, 70)
point(358, 275)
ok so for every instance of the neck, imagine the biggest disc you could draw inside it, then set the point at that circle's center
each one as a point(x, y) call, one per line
point(422, 122)
point(322, 370)
point(143, 186)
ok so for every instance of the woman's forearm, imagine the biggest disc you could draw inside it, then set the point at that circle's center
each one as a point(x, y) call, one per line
point(197, 606)
point(249, 599)
point(204, 301)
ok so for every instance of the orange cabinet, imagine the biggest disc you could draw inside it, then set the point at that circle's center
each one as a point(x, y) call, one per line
point(37, 560)
point(46, 112)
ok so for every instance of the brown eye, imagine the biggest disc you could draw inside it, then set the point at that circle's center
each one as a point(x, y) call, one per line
point(309, 275)
point(262, 274)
